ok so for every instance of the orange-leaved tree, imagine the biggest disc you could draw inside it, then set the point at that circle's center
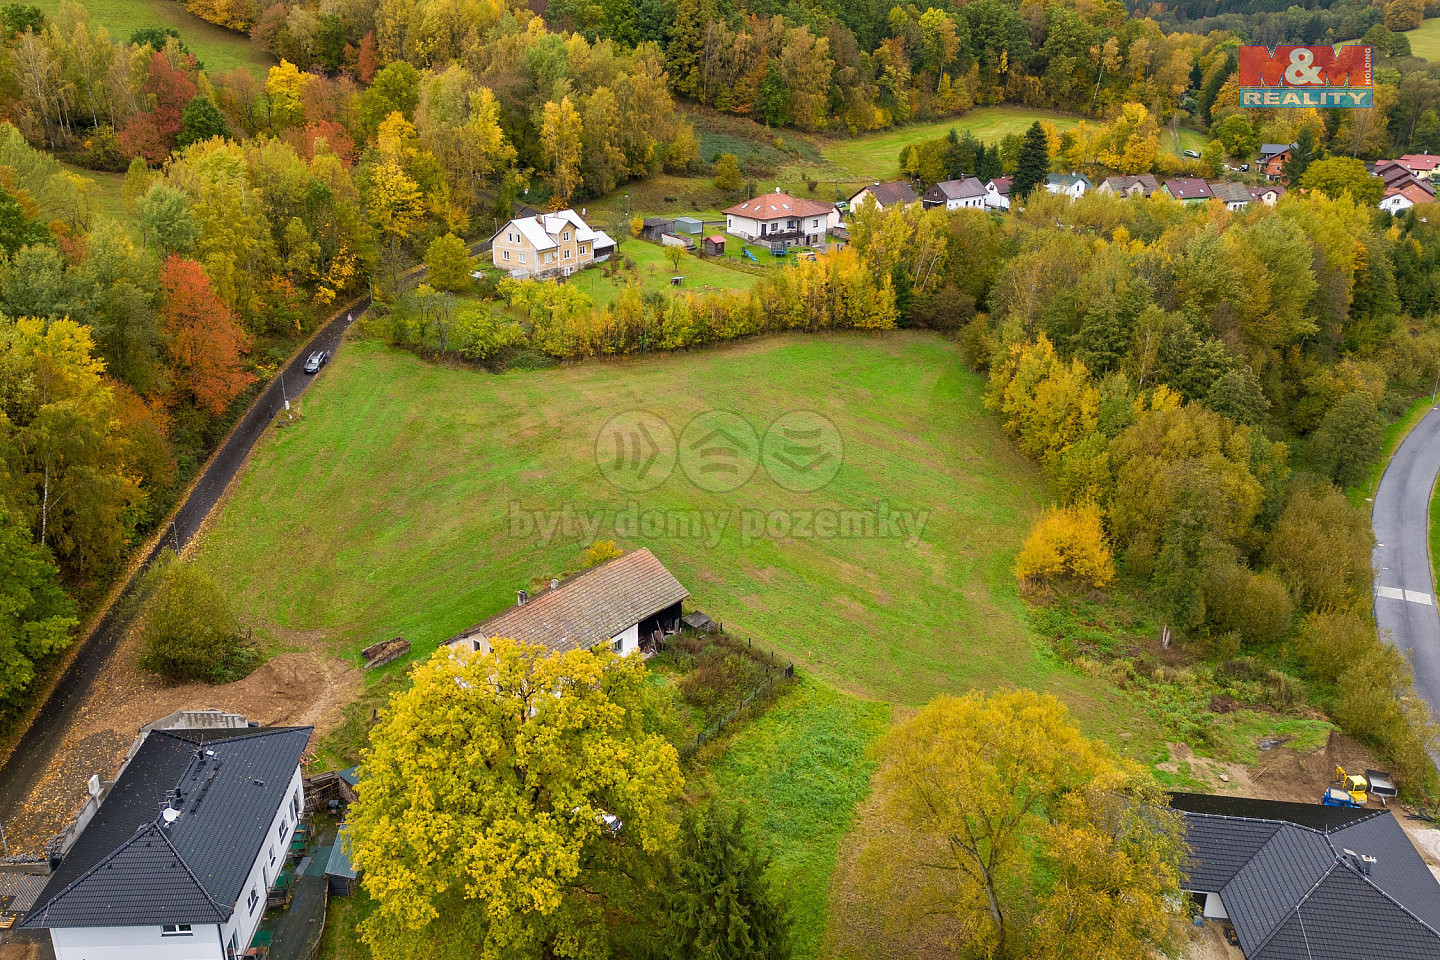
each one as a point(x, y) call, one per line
point(206, 341)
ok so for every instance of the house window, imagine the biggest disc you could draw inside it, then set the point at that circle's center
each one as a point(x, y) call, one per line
point(567, 254)
point(272, 856)
point(284, 829)
point(295, 804)
point(565, 236)
point(253, 899)
point(176, 930)
point(815, 222)
point(507, 254)
point(582, 249)
point(522, 258)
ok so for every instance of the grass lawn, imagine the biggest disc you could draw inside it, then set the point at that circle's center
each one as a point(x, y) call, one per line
point(875, 156)
point(1425, 39)
point(800, 770)
point(654, 272)
point(1181, 140)
point(107, 192)
point(219, 49)
point(405, 503)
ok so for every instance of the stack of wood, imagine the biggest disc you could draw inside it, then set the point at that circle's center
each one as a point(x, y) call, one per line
point(379, 654)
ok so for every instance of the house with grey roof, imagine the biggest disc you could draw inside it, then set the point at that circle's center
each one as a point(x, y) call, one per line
point(1235, 196)
point(955, 194)
point(1141, 185)
point(1072, 185)
point(1301, 881)
point(175, 861)
point(884, 195)
point(548, 245)
point(627, 604)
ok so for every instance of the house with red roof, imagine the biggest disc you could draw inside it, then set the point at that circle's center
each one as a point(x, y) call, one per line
point(1422, 165)
point(1187, 190)
point(1403, 196)
point(778, 218)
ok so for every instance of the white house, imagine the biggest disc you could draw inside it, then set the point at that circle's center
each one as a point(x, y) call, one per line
point(621, 603)
point(178, 857)
point(1072, 185)
point(779, 218)
point(997, 194)
point(1404, 196)
point(955, 194)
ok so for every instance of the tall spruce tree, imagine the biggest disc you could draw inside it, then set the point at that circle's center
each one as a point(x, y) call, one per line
point(718, 905)
point(1034, 164)
point(1301, 156)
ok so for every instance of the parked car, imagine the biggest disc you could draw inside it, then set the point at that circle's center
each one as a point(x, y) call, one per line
point(316, 360)
point(1192, 154)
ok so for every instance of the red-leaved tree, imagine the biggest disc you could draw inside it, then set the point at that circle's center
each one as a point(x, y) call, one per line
point(151, 132)
point(206, 342)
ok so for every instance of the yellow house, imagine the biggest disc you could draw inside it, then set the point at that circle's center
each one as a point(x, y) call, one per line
point(548, 245)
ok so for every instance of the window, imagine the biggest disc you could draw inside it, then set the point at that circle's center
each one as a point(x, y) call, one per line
point(582, 249)
point(284, 829)
point(567, 254)
point(176, 930)
point(522, 258)
point(565, 236)
point(507, 254)
point(253, 899)
point(295, 805)
point(272, 856)
point(815, 222)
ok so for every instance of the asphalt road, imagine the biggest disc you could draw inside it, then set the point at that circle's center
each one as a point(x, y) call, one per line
point(33, 753)
point(1404, 587)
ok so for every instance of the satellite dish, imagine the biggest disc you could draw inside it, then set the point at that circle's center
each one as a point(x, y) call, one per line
point(170, 814)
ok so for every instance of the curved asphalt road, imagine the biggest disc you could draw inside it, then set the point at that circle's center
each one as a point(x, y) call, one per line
point(1404, 589)
point(37, 746)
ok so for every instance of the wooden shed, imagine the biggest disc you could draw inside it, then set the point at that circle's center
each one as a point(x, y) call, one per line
point(655, 227)
point(715, 246)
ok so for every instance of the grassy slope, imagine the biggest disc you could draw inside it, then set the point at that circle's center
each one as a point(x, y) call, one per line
point(876, 156)
point(1425, 40)
point(800, 770)
point(107, 192)
point(387, 506)
point(220, 50)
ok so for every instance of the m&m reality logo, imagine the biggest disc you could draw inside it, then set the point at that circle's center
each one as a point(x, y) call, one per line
point(1310, 76)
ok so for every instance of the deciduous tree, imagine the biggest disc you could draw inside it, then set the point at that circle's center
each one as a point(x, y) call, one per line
point(205, 341)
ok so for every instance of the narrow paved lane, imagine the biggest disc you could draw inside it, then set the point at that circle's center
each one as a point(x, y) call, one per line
point(35, 749)
point(1404, 588)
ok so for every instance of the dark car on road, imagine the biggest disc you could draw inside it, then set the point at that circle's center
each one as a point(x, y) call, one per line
point(316, 360)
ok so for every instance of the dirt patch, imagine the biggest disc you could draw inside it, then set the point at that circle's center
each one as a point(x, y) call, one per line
point(1207, 942)
point(292, 689)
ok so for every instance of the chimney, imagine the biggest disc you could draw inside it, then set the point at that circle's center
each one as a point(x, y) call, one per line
point(1366, 862)
point(521, 598)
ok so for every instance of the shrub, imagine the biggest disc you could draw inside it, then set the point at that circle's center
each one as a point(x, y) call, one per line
point(977, 343)
point(1321, 548)
point(598, 552)
point(1334, 639)
point(1067, 543)
point(1349, 438)
point(1255, 605)
point(187, 630)
point(1374, 702)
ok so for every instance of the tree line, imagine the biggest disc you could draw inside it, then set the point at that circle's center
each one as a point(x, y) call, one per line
point(1200, 386)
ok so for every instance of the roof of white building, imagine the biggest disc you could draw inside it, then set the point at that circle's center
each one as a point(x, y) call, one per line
point(137, 864)
point(775, 206)
point(543, 230)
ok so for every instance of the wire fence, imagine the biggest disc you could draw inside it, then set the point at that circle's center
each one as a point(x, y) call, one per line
point(774, 675)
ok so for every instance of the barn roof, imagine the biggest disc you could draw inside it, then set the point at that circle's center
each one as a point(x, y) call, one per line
point(588, 608)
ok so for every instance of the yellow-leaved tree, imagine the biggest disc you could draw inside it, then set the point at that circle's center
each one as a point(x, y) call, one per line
point(560, 142)
point(1029, 839)
point(1130, 142)
point(507, 799)
point(1067, 543)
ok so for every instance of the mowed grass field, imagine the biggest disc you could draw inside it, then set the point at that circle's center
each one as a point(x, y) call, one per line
point(1425, 39)
point(413, 500)
point(219, 49)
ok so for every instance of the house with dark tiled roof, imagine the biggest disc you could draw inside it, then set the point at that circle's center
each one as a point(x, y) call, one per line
point(1268, 195)
point(955, 194)
point(885, 195)
point(997, 193)
point(621, 603)
point(1235, 196)
point(176, 859)
point(1301, 881)
point(1187, 190)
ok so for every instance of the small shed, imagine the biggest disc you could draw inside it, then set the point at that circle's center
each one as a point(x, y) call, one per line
point(339, 871)
point(689, 225)
point(655, 227)
point(715, 246)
